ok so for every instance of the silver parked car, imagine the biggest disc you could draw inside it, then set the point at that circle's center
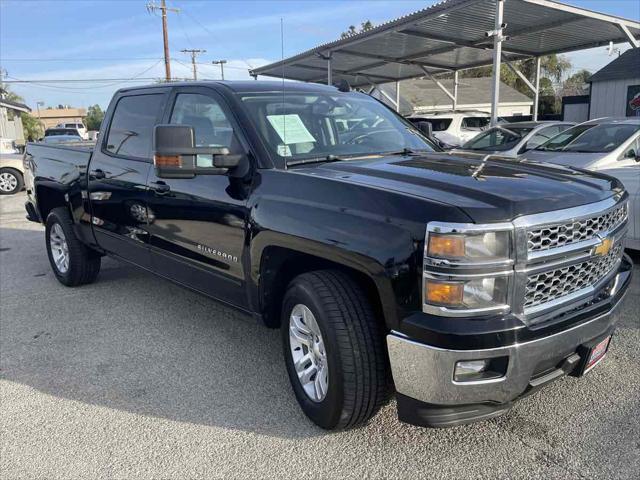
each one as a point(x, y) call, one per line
point(607, 145)
point(513, 139)
point(594, 145)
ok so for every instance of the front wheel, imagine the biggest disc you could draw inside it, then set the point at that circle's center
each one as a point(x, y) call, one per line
point(11, 181)
point(72, 262)
point(334, 350)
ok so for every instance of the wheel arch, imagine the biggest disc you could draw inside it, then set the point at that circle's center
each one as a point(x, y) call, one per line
point(279, 265)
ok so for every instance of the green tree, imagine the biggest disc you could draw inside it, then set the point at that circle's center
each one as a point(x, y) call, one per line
point(352, 30)
point(575, 84)
point(31, 127)
point(553, 69)
point(94, 117)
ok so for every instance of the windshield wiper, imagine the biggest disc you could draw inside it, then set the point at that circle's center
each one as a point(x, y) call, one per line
point(405, 151)
point(325, 159)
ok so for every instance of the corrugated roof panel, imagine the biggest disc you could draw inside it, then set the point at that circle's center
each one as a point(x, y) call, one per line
point(452, 34)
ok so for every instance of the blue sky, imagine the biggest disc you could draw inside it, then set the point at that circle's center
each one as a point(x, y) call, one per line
point(82, 39)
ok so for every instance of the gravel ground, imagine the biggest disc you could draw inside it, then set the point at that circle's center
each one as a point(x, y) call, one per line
point(133, 377)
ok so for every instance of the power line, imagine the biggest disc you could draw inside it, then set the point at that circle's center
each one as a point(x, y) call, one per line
point(68, 80)
point(115, 81)
point(77, 59)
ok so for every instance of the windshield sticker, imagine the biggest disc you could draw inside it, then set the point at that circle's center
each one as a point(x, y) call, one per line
point(290, 128)
point(284, 150)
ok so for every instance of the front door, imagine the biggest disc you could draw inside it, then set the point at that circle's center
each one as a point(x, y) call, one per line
point(198, 225)
point(118, 174)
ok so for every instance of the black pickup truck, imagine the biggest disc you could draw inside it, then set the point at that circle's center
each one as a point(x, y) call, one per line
point(459, 283)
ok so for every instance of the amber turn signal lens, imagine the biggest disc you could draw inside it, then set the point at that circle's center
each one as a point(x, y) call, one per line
point(167, 161)
point(446, 246)
point(444, 293)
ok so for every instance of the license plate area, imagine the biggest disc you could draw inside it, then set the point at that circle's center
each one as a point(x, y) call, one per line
point(593, 353)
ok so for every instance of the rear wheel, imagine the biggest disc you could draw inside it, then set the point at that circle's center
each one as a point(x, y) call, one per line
point(334, 350)
point(11, 181)
point(72, 262)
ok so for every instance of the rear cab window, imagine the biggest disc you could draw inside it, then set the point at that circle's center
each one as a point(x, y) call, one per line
point(131, 129)
point(439, 124)
point(475, 124)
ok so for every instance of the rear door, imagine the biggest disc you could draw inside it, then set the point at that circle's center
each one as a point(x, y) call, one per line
point(198, 225)
point(118, 175)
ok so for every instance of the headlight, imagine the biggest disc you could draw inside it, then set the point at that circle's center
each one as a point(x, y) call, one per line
point(468, 268)
point(469, 247)
point(468, 294)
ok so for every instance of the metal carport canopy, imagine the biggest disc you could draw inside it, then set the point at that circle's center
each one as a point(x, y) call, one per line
point(455, 35)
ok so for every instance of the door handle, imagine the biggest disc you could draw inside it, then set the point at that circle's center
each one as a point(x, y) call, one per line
point(97, 174)
point(160, 187)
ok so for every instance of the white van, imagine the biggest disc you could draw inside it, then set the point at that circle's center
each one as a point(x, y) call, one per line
point(79, 126)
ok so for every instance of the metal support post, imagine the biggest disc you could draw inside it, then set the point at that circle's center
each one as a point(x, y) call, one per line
point(455, 90)
point(497, 59)
point(397, 96)
point(536, 97)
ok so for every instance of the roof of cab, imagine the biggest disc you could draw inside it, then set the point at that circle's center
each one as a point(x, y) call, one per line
point(244, 86)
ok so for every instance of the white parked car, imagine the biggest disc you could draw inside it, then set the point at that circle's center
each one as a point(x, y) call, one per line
point(512, 139)
point(599, 144)
point(630, 177)
point(82, 130)
point(455, 128)
point(608, 145)
point(7, 146)
point(11, 174)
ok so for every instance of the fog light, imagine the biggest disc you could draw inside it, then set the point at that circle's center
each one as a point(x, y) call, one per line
point(470, 369)
point(486, 369)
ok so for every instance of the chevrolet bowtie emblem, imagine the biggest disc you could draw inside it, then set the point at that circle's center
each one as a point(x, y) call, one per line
point(603, 248)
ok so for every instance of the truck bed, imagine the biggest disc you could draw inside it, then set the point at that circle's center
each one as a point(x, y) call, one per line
point(61, 164)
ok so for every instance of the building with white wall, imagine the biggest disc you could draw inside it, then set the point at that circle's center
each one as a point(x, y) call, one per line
point(615, 89)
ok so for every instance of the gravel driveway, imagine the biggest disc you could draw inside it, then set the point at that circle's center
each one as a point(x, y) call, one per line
point(133, 377)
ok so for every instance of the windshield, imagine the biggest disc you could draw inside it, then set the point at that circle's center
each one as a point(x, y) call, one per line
point(300, 126)
point(497, 138)
point(590, 138)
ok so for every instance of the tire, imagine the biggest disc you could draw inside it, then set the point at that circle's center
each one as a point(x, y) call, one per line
point(82, 264)
point(353, 344)
point(11, 181)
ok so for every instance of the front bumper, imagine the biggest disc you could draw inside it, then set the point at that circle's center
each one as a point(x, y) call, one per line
point(424, 374)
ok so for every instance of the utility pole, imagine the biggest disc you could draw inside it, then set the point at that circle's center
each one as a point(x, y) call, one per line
point(194, 53)
point(221, 63)
point(38, 105)
point(151, 7)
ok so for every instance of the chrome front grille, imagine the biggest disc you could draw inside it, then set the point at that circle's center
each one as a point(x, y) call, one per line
point(554, 284)
point(559, 235)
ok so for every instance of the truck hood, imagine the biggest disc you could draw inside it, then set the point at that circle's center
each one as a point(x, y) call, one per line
point(487, 191)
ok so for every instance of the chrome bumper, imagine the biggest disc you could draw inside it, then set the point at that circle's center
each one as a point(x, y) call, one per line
point(425, 373)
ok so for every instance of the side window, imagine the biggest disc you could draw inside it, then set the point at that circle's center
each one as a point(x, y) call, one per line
point(475, 123)
point(210, 124)
point(440, 124)
point(632, 151)
point(132, 125)
point(542, 136)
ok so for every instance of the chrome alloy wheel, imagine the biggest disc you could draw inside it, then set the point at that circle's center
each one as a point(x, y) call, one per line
point(8, 182)
point(59, 248)
point(308, 353)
